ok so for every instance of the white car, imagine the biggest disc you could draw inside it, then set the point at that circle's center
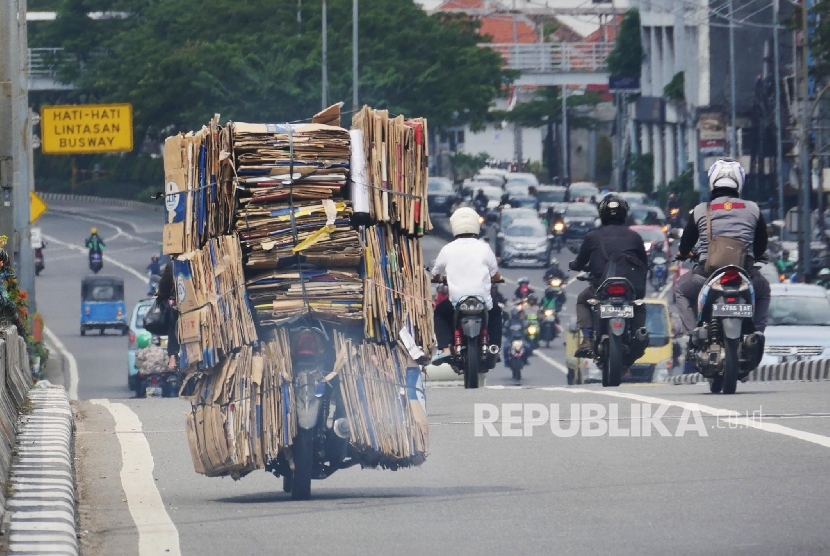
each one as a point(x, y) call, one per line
point(798, 327)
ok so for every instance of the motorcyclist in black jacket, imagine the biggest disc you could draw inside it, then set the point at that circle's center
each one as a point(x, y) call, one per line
point(616, 238)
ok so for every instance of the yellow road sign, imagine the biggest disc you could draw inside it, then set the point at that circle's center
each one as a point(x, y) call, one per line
point(86, 128)
point(36, 207)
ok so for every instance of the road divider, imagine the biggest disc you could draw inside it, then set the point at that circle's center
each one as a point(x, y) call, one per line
point(100, 201)
point(72, 390)
point(804, 371)
point(156, 532)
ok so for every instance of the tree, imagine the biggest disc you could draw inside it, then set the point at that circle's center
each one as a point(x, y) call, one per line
point(180, 62)
point(627, 57)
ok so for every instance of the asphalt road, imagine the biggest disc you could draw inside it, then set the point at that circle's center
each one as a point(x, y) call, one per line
point(725, 486)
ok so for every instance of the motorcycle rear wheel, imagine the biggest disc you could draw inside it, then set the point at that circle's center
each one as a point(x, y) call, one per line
point(472, 368)
point(730, 365)
point(303, 455)
point(716, 385)
point(612, 373)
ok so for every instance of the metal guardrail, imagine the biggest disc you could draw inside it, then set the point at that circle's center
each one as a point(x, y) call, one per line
point(542, 58)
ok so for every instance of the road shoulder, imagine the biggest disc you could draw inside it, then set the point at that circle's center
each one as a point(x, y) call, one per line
point(106, 526)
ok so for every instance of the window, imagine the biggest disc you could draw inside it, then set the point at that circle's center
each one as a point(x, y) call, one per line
point(799, 311)
point(657, 325)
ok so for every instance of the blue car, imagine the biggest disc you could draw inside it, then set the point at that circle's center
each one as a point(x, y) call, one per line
point(136, 328)
point(102, 304)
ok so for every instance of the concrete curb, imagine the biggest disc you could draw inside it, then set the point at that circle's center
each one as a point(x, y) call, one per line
point(42, 505)
point(108, 201)
point(805, 371)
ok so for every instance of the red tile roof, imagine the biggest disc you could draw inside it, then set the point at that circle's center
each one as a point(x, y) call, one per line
point(500, 29)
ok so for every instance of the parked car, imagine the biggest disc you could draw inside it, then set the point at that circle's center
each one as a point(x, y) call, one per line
point(583, 192)
point(798, 326)
point(525, 241)
point(653, 235)
point(441, 196)
point(550, 195)
point(136, 325)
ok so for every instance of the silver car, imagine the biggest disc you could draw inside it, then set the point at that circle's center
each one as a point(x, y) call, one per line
point(798, 327)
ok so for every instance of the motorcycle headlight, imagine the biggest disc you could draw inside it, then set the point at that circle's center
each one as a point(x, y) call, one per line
point(532, 329)
point(548, 312)
point(558, 227)
point(517, 344)
point(472, 306)
point(556, 282)
point(481, 220)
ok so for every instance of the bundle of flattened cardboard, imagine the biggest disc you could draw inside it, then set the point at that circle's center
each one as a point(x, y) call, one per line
point(273, 222)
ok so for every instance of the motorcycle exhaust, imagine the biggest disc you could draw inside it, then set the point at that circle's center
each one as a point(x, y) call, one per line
point(342, 429)
point(641, 335)
point(494, 349)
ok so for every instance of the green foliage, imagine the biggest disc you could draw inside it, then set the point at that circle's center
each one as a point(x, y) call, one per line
point(627, 57)
point(546, 105)
point(538, 169)
point(180, 62)
point(604, 160)
point(820, 40)
point(642, 166)
point(674, 91)
point(465, 166)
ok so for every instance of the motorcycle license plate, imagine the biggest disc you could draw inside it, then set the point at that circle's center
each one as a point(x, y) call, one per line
point(739, 310)
point(616, 311)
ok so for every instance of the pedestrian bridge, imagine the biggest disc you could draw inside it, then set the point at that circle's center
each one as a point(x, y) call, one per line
point(43, 63)
point(556, 64)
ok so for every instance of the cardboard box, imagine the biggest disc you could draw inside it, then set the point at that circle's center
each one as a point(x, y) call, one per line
point(173, 239)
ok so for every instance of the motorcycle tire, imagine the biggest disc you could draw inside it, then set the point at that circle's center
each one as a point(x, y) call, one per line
point(730, 365)
point(716, 385)
point(302, 451)
point(286, 482)
point(37, 272)
point(472, 368)
point(612, 373)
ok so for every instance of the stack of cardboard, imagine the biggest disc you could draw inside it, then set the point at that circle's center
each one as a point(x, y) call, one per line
point(266, 217)
point(214, 315)
point(240, 415)
point(302, 253)
point(397, 294)
point(199, 188)
point(388, 427)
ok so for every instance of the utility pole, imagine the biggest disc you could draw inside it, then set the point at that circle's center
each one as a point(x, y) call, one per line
point(299, 17)
point(354, 56)
point(7, 45)
point(565, 170)
point(325, 57)
point(779, 148)
point(804, 254)
point(733, 151)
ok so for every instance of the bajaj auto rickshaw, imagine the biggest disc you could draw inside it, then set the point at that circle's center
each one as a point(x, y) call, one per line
point(102, 304)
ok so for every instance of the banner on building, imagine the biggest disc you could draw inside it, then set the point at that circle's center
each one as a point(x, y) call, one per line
point(712, 134)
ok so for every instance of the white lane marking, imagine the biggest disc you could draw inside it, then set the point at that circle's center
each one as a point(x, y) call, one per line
point(735, 417)
point(156, 532)
point(72, 390)
point(665, 290)
point(103, 222)
point(552, 362)
point(119, 264)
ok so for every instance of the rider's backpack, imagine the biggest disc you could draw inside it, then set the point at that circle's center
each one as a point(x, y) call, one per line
point(628, 266)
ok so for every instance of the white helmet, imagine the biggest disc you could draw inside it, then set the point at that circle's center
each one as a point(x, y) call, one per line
point(465, 221)
point(727, 173)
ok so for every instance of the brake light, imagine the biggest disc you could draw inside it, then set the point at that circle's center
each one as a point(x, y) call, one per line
point(616, 289)
point(306, 343)
point(731, 299)
point(730, 278)
point(132, 337)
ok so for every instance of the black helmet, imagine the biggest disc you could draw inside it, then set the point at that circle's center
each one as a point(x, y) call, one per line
point(786, 253)
point(612, 210)
point(550, 292)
